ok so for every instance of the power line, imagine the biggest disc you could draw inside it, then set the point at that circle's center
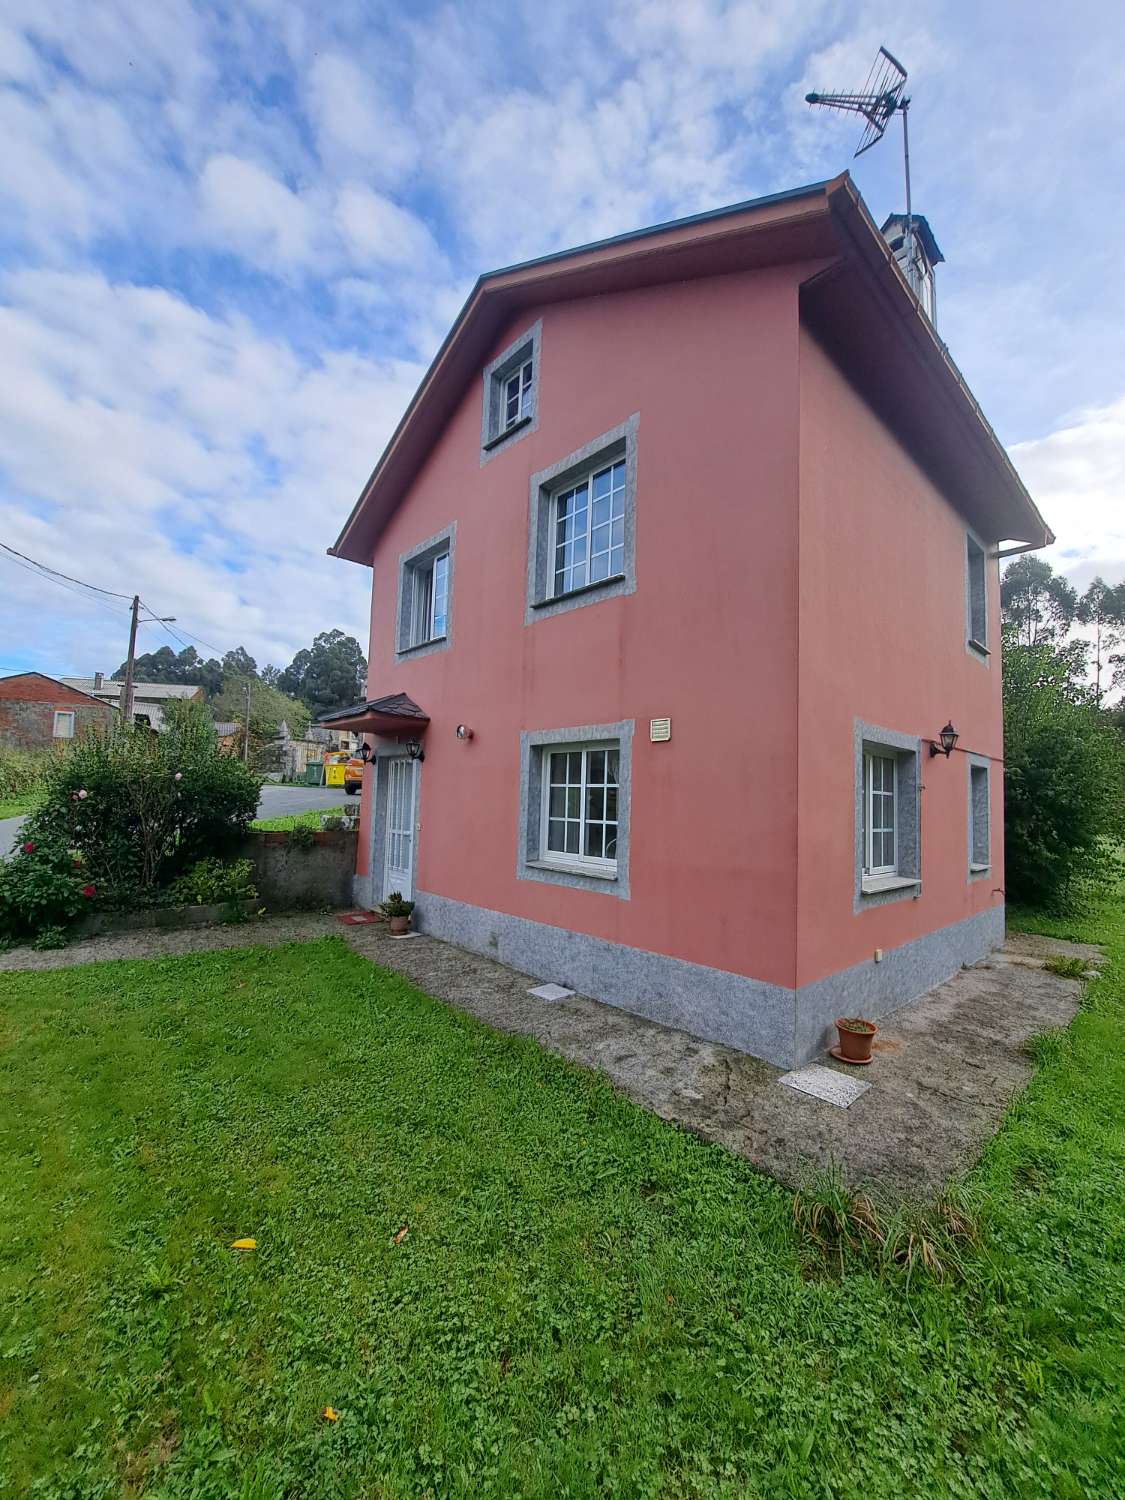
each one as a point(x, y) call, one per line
point(55, 572)
point(188, 633)
point(50, 577)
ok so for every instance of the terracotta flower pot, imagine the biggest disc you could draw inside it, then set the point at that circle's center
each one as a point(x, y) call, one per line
point(854, 1045)
point(398, 925)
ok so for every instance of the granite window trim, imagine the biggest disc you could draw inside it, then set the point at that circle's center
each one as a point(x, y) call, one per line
point(619, 441)
point(974, 869)
point(976, 647)
point(443, 541)
point(529, 345)
point(529, 864)
point(907, 750)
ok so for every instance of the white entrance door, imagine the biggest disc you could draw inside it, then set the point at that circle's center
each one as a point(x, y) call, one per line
point(399, 872)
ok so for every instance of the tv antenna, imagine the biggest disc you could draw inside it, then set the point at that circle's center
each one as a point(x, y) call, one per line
point(880, 99)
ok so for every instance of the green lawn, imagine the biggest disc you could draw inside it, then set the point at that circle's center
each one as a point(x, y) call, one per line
point(289, 821)
point(17, 807)
point(588, 1302)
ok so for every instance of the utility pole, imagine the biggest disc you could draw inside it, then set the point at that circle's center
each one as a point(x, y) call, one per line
point(127, 685)
point(246, 728)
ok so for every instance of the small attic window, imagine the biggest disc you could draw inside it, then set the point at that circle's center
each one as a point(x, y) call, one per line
point(511, 394)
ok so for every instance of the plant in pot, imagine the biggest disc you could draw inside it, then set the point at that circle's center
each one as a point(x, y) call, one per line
point(397, 912)
point(856, 1036)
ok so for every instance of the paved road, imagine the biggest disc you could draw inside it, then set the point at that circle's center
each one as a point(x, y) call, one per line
point(280, 801)
point(277, 802)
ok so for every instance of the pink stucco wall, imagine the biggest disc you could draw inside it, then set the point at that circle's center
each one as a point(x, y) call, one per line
point(882, 638)
point(709, 638)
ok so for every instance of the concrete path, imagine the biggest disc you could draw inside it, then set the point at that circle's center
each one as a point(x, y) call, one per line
point(9, 827)
point(946, 1067)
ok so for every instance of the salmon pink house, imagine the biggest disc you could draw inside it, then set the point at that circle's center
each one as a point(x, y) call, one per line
point(684, 555)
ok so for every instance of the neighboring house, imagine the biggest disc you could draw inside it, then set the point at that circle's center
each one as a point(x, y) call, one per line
point(149, 698)
point(37, 711)
point(683, 555)
point(228, 732)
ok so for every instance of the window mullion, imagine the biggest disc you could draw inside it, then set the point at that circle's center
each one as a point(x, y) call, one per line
point(582, 808)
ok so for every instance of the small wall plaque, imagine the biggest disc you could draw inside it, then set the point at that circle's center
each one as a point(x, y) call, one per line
point(659, 729)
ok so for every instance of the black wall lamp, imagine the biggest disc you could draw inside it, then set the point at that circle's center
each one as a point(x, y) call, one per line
point(948, 738)
point(364, 752)
point(414, 750)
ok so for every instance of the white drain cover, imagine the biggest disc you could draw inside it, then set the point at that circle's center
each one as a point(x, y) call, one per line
point(550, 992)
point(825, 1083)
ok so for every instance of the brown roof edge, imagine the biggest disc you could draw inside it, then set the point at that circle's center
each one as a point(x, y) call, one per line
point(493, 285)
point(851, 211)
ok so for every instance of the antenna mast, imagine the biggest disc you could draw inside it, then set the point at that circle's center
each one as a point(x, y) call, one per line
point(880, 99)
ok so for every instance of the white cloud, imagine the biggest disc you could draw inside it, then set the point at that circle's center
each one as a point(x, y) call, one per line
point(250, 212)
point(1077, 478)
point(376, 229)
point(353, 118)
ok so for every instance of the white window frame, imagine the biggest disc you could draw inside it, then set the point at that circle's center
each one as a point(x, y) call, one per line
point(582, 864)
point(575, 482)
point(980, 866)
point(69, 715)
point(976, 562)
point(520, 378)
point(430, 607)
point(869, 795)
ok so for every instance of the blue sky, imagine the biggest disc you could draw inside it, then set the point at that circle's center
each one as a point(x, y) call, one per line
point(232, 236)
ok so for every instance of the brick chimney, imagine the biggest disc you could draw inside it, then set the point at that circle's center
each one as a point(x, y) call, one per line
point(98, 680)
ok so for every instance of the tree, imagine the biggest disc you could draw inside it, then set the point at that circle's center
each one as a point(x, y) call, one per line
point(1064, 778)
point(329, 674)
point(239, 663)
point(1036, 602)
point(269, 708)
point(1102, 609)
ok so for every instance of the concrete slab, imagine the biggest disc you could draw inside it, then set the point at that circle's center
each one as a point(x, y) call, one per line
point(826, 1084)
point(551, 992)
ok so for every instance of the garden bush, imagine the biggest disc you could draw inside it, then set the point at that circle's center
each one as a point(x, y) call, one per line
point(141, 809)
point(210, 880)
point(43, 886)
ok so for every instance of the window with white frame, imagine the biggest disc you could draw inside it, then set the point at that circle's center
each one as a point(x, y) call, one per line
point(430, 600)
point(511, 384)
point(589, 530)
point(880, 832)
point(516, 396)
point(980, 852)
point(977, 604)
point(64, 724)
point(425, 594)
point(580, 808)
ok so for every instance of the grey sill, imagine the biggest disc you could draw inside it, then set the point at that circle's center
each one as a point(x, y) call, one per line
point(437, 640)
point(563, 869)
point(978, 869)
point(979, 647)
point(587, 588)
point(494, 442)
point(875, 885)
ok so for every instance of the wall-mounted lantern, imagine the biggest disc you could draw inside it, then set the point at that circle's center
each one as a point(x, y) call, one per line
point(947, 738)
point(364, 752)
point(414, 750)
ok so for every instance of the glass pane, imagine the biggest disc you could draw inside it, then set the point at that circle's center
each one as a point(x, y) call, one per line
point(595, 803)
point(573, 801)
point(611, 767)
point(599, 539)
point(556, 835)
point(611, 841)
point(611, 804)
point(557, 805)
point(572, 838)
point(595, 770)
point(601, 510)
point(599, 567)
point(558, 767)
point(602, 481)
point(574, 767)
point(595, 841)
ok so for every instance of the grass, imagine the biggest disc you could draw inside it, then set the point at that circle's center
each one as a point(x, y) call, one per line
point(586, 1302)
point(289, 821)
point(17, 807)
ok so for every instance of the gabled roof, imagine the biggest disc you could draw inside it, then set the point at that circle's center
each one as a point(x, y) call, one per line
point(862, 307)
point(67, 682)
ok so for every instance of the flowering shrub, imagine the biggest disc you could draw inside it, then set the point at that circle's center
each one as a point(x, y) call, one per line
point(40, 888)
point(140, 808)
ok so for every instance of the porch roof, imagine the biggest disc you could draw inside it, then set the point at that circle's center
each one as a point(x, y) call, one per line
point(395, 714)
